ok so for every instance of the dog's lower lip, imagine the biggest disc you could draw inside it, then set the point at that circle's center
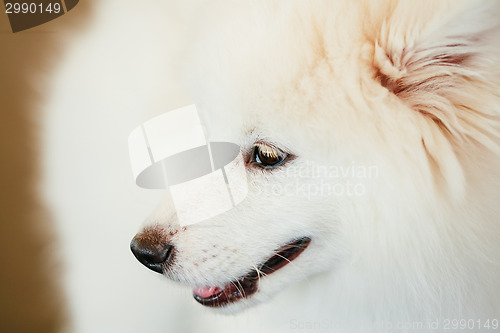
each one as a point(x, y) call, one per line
point(248, 285)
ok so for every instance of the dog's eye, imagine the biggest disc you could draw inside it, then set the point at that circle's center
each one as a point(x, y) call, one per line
point(267, 156)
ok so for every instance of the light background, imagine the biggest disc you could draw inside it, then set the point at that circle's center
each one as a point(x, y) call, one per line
point(30, 292)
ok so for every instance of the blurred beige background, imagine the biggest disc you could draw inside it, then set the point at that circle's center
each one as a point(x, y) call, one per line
point(69, 98)
point(30, 296)
point(71, 91)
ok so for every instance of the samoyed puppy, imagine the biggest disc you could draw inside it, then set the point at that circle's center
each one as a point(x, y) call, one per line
point(370, 136)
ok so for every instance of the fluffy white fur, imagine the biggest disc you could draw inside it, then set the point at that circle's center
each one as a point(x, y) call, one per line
point(409, 89)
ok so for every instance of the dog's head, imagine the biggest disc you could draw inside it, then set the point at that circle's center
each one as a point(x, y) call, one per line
point(282, 231)
point(345, 114)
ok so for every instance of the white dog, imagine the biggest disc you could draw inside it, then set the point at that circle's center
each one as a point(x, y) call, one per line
point(371, 137)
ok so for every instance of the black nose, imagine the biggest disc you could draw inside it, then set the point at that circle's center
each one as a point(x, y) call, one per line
point(150, 252)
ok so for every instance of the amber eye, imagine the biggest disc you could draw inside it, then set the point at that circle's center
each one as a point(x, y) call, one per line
point(267, 156)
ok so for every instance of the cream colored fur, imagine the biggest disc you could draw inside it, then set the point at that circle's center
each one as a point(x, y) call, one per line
point(409, 89)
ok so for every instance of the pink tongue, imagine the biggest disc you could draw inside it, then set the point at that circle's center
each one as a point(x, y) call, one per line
point(206, 292)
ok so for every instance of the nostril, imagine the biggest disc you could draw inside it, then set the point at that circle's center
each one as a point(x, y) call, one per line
point(153, 255)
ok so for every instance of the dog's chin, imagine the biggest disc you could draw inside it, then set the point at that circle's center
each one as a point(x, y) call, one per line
point(240, 293)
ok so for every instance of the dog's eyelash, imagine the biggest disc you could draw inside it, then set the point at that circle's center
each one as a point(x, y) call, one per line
point(268, 150)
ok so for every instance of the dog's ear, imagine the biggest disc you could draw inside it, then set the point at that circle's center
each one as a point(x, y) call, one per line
point(442, 59)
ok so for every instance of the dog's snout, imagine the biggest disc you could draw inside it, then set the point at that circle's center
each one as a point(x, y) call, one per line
point(153, 254)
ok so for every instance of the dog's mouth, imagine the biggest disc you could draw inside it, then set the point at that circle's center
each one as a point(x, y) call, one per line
point(248, 284)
